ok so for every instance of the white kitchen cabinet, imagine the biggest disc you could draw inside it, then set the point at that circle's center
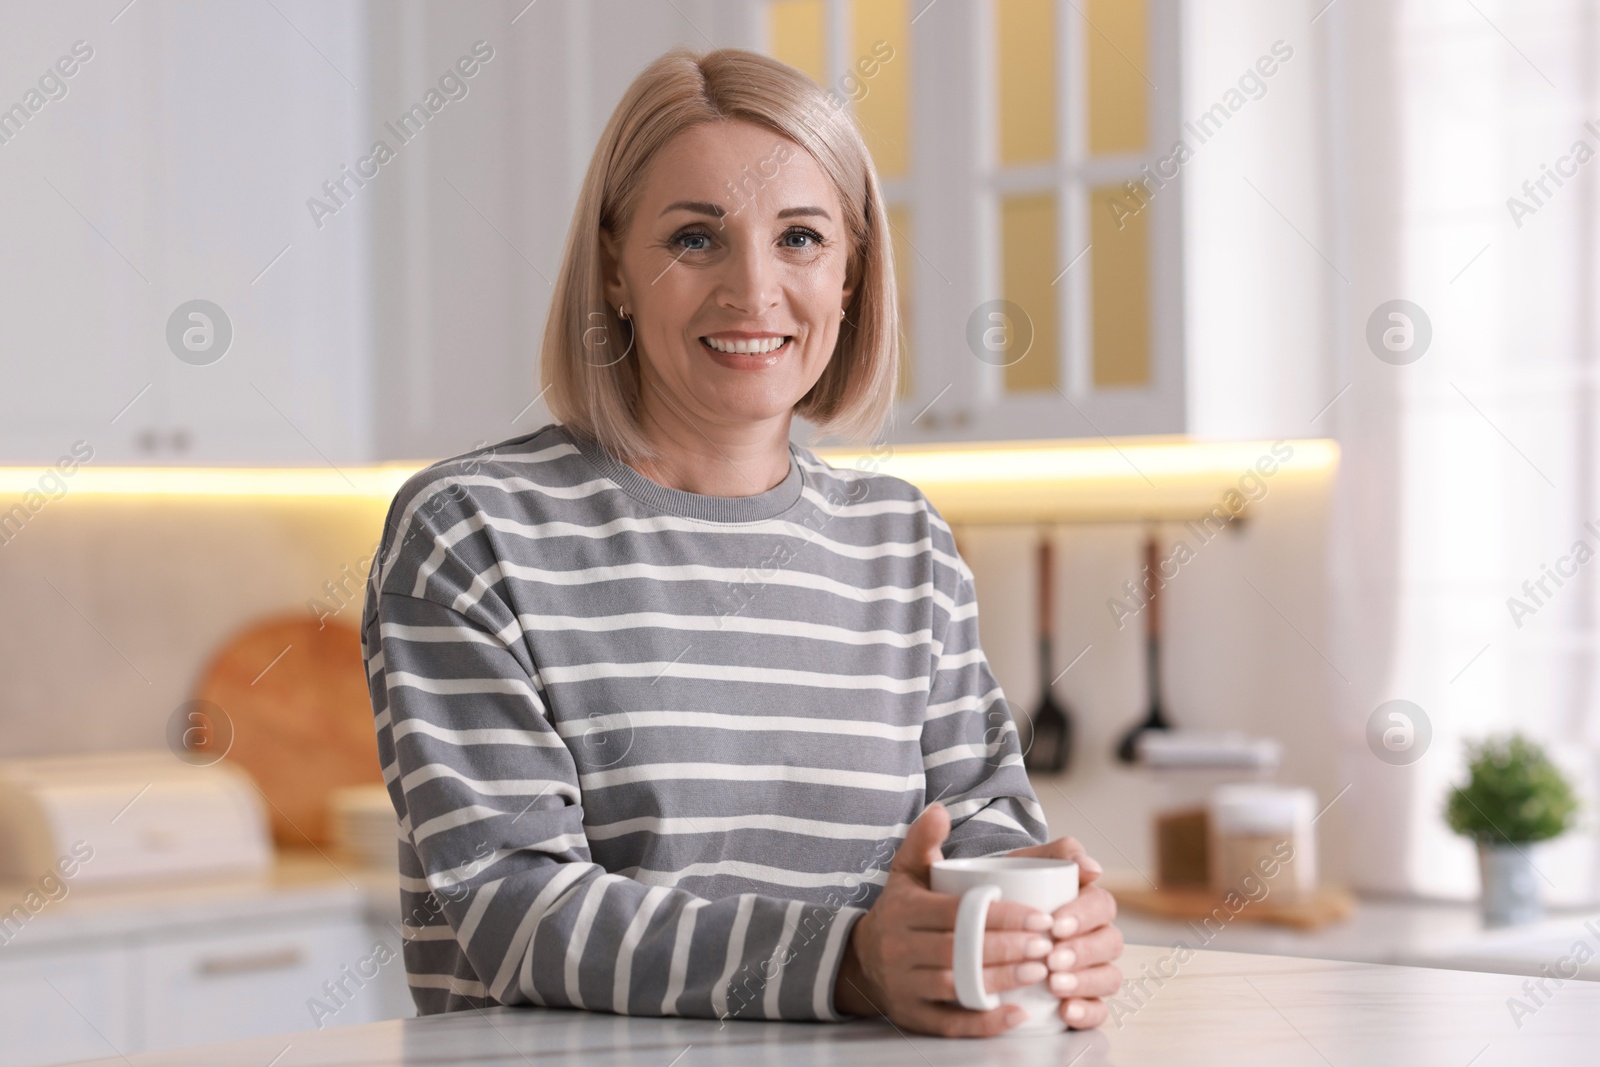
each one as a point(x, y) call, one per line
point(177, 168)
point(263, 979)
point(61, 1005)
point(184, 165)
point(120, 974)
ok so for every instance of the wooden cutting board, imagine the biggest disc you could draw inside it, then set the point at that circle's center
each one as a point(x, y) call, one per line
point(295, 696)
point(1325, 905)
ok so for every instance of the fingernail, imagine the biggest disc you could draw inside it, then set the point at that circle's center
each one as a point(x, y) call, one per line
point(1028, 973)
point(1038, 922)
point(1015, 1015)
point(1066, 926)
point(1076, 1011)
point(1062, 959)
point(1063, 983)
point(1038, 948)
point(1084, 860)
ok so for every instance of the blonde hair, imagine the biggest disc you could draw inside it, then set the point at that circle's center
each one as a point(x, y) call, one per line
point(681, 90)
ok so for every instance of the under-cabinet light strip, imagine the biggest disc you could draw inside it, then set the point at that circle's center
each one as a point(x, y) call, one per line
point(1129, 470)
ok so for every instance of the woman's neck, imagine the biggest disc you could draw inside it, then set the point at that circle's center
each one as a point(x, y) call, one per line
point(712, 459)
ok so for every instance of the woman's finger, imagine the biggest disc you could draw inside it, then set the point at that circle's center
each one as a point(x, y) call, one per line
point(949, 1021)
point(1083, 1013)
point(926, 910)
point(1100, 981)
point(1093, 908)
point(1065, 848)
point(1090, 950)
point(935, 983)
point(937, 949)
point(1061, 848)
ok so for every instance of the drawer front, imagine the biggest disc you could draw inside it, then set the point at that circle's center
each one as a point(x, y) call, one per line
point(58, 1006)
point(267, 979)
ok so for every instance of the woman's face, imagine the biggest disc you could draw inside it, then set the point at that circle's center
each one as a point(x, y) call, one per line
point(733, 271)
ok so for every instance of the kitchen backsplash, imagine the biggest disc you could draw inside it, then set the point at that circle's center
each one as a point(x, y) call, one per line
point(119, 602)
point(126, 598)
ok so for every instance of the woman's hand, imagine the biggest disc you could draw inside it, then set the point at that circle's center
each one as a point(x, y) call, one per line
point(898, 960)
point(1081, 968)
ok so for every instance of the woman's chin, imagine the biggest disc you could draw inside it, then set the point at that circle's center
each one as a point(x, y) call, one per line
point(748, 405)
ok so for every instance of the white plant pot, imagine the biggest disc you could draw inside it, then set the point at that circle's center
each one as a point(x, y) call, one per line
point(1510, 885)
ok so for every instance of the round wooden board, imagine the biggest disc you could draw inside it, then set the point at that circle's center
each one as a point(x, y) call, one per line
point(295, 696)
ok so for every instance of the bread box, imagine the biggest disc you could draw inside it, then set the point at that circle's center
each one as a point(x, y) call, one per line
point(129, 817)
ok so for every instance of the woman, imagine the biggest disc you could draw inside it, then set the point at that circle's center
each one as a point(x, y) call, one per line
point(674, 715)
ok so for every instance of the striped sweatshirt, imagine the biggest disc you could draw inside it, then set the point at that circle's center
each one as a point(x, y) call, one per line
point(652, 751)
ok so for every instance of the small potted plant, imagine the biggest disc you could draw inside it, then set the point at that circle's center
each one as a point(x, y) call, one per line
point(1514, 796)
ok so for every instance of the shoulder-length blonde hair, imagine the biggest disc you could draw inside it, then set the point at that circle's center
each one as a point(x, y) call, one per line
point(593, 391)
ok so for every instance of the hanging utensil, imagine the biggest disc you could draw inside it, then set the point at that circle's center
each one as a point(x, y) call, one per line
point(1050, 749)
point(1128, 749)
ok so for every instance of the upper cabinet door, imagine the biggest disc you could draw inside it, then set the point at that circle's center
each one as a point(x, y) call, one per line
point(1025, 148)
point(169, 296)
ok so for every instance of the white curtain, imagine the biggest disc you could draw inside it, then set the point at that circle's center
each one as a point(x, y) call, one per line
point(1470, 470)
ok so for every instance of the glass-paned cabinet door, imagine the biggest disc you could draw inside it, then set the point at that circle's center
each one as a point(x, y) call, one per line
point(861, 52)
point(1074, 129)
point(1037, 240)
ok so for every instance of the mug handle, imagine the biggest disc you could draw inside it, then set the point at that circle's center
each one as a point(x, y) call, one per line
point(972, 915)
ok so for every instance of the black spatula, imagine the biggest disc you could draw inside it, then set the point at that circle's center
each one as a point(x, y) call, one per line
point(1051, 748)
point(1128, 749)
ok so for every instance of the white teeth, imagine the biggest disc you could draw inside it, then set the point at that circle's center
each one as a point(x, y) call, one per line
point(748, 348)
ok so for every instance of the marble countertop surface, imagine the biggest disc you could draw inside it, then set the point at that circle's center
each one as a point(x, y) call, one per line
point(1228, 1009)
point(298, 884)
point(1418, 933)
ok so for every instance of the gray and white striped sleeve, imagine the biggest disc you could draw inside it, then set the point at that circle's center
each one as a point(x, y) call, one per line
point(489, 796)
point(970, 751)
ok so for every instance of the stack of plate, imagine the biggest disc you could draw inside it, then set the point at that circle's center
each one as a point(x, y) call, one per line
point(364, 825)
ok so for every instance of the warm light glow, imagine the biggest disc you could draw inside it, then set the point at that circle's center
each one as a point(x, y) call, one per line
point(379, 482)
point(1020, 481)
point(1121, 480)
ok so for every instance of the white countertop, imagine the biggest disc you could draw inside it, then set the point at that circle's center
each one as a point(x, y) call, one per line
point(1222, 1008)
point(1401, 931)
point(1417, 933)
point(298, 883)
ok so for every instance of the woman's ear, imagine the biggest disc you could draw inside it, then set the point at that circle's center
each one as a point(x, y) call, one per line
point(852, 276)
point(611, 270)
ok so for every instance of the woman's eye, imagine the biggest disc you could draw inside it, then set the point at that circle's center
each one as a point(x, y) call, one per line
point(686, 241)
point(802, 238)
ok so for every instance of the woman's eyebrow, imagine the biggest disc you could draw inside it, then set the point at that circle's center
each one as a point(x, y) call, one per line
point(699, 207)
point(717, 211)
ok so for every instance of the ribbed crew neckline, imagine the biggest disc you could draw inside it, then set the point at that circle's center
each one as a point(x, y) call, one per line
point(767, 505)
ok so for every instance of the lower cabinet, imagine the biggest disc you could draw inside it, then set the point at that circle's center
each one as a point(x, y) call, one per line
point(64, 1005)
point(264, 981)
point(149, 992)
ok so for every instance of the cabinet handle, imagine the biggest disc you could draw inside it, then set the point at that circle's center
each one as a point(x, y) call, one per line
point(249, 963)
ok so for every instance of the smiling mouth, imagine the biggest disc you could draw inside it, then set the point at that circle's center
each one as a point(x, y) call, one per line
point(765, 346)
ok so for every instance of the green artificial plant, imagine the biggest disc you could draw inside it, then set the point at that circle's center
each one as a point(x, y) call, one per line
point(1514, 794)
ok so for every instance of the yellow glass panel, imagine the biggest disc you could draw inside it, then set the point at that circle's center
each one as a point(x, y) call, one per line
point(1026, 34)
point(799, 36)
point(1028, 266)
point(900, 231)
point(877, 78)
point(1119, 280)
point(1117, 40)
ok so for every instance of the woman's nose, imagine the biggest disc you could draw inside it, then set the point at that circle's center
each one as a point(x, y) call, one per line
point(750, 284)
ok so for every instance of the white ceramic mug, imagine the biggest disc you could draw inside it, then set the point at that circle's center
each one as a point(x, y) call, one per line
point(1045, 884)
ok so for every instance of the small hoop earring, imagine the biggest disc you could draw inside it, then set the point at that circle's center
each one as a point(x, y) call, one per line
point(841, 313)
point(622, 312)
